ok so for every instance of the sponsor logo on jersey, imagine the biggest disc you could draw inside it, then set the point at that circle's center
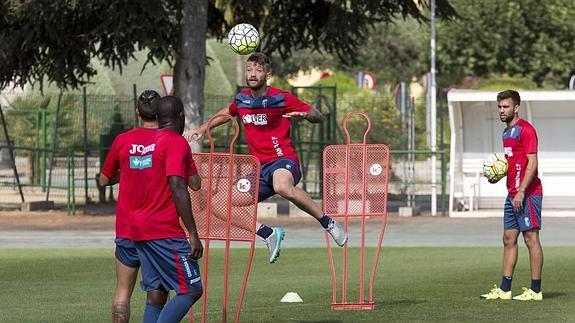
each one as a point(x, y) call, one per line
point(141, 149)
point(508, 151)
point(137, 162)
point(259, 119)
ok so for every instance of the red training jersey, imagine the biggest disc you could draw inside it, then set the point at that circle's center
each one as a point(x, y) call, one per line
point(126, 150)
point(157, 217)
point(267, 133)
point(518, 141)
point(128, 155)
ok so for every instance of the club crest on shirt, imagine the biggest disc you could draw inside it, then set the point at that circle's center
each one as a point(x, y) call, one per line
point(508, 151)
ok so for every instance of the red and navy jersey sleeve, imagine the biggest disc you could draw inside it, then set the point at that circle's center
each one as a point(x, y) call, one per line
point(112, 161)
point(293, 104)
point(233, 108)
point(529, 140)
point(178, 158)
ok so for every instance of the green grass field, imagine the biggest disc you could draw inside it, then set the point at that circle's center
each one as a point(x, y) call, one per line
point(413, 284)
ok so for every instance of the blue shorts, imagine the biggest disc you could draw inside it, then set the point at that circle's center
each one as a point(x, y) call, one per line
point(266, 175)
point(528, 218)
point(126, 252)
point(166, 266)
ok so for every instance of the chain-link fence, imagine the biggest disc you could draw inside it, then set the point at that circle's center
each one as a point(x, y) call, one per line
point(59, 143)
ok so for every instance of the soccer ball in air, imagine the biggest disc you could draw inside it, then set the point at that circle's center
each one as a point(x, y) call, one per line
point(495, 167)
point(244, 39)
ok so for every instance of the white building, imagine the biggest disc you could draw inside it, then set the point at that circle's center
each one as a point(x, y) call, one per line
point(476, 132)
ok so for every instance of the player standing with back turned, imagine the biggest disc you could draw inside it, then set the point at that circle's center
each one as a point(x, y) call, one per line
point(119, 168)
point(522, 212)
point(169, 260)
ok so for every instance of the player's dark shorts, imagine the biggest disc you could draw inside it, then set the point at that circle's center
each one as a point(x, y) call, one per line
point(166, 266)
point(266, 175)
point(126, 252)
point(528, 218)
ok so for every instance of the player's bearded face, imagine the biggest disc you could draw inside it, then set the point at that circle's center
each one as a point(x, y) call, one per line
point(507, 110)
point(256, 76)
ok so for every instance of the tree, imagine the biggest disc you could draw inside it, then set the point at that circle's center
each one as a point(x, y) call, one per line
point(56, 39)
point(519, 38)
point(395, 52)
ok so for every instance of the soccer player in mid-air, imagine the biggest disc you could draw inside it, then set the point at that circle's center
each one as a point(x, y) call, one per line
point(124, 147)
point(522, 212)
point(265, 112)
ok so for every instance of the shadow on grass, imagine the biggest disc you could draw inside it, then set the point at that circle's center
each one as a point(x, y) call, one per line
point(552, 295)
point(401, 302)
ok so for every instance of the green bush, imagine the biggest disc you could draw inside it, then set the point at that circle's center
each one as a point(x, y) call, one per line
point(503, 82)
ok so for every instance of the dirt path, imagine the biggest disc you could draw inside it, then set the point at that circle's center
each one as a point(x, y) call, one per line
point(54, 220)
point(58, 229)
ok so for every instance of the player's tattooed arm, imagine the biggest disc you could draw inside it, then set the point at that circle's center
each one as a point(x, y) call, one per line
point(313, 115)
point(198, 133)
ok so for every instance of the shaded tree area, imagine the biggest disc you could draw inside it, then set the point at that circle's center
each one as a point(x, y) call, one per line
point(54, 40)
point(518, 38)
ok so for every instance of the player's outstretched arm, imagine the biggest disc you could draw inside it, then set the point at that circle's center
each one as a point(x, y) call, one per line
point(198, 133)
point(183, 204)
point(313, 115)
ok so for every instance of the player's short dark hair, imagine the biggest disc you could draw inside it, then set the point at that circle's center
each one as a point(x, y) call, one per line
point(145, 105)
point(169, 108)
point(509, 94)
point(261, 59)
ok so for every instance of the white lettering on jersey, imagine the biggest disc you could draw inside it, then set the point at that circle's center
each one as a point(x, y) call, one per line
point(277, 148)
point(517, 175)
point(508, 151)
point(256, 119)
point(142, 149)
